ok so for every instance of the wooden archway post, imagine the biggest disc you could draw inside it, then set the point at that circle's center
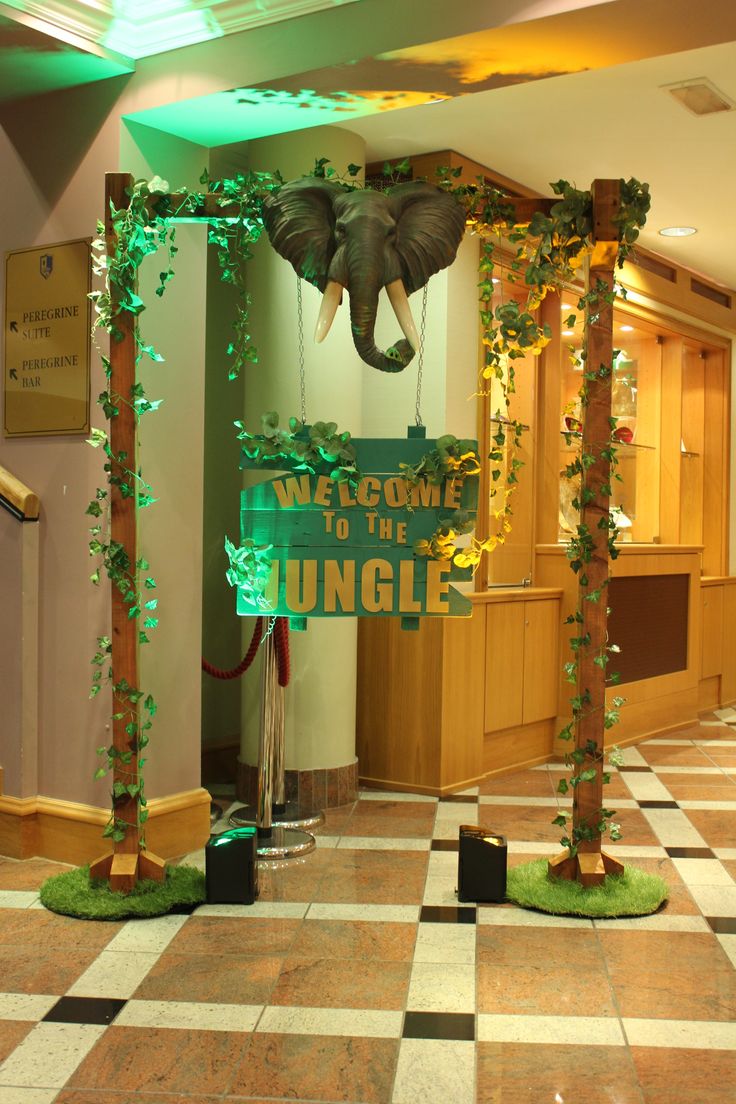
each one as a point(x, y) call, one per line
point(590, 865)
point(128, 861)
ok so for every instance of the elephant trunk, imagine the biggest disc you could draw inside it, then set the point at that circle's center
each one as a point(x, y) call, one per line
point(363, 307)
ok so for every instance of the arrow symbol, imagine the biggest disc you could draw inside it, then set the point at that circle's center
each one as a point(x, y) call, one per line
point(13, 374)
point(14, 327)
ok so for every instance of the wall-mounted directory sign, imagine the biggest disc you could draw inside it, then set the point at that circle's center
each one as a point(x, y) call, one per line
point(347, 550)
point(47, 340)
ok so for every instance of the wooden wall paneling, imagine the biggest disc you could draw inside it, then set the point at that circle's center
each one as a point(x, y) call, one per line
point(671, 435)
point(463, 698)
point(399, 701)
point(711, 630)
point(531, 744)
point(693, 438)
point(541, 660)
point(715, 464)
point(709, 693)
point(547, 423)
point(728, 670)
point(504, 665)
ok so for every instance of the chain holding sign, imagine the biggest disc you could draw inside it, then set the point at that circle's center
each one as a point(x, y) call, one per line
point(330, 546)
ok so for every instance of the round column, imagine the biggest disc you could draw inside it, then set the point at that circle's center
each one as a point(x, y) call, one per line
point(320, 698)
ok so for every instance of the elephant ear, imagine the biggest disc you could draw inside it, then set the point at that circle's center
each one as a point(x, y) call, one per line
point(300, 222)
point(429, 228)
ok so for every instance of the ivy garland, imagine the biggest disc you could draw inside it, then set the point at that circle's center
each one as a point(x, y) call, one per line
point(550, 251)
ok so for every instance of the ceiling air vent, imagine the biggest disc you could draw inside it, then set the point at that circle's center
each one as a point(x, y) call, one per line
point(699, 96)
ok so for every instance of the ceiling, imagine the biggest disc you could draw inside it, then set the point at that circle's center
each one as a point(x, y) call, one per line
point(569, 89)
point(609, 122)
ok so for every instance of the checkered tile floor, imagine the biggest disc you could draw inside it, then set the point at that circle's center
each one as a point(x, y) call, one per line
point(357, 977)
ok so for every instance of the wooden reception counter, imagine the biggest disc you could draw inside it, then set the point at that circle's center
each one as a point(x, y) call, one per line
point(441, 708)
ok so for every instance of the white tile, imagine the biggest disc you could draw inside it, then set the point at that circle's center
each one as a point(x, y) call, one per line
point(114, 974)
point(471, 792)
point(387, 795)
point(702, 872)
point(511, 916)
point(435, 1071)
point(715, 900)
point(724, 852)
point(28, 1096)
point(647, 787)
point(152, 935)
point(403, 914)
point(332, 1021)
point(632, 757)
point(667, 769)
point(18, 898)
point(189, 1015)
point(594, 1030)
point(539, 847)
point(326, 841)
point(711, 724)
point(279, 910)
point(659, 921)
point(441, 987)
point(726, 714)
point(715, 743)
point(440, 890)
point(551, 767)
point(445, 943)
point(673, 829)
point(636, 851)
point(49, 1054)
point(504, 799)
point(674, 743)
point(460, 813)
point(382, 843)
point(728, 942)
point(727, 806)
point(705, 1034)
point(25, 1006)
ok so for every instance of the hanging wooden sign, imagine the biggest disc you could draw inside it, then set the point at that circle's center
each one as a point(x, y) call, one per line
point(341, 549)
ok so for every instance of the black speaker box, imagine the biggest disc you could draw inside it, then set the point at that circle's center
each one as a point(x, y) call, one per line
point(482, 859)
point(231, 867)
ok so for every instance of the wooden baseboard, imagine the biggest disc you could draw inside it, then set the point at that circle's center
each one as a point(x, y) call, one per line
point(69, 832)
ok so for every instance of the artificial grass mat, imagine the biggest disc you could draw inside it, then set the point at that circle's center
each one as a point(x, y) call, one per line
point(73, 894)
point(633, 893)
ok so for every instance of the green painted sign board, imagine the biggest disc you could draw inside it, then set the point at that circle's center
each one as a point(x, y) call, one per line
point(344, 550)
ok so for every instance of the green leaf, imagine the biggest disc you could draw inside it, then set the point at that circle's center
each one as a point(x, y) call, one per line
point(101, 771)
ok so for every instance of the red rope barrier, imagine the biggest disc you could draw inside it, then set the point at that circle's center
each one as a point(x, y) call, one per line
point(281, 629)
point(246, 661)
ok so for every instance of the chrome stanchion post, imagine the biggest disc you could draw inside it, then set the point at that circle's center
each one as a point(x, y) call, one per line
point(275, 840)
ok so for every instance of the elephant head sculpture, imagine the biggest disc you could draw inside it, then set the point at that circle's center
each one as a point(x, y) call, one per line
point(364, 240)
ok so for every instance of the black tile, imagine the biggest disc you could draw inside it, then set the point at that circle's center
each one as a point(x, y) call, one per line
point(448, 914)
point(722, 925)
point(658, 805)
point(85, 1010)
point(461, 799)
point(624, 770)
point(439, 1025)
point(446, 845)
point(690, 852)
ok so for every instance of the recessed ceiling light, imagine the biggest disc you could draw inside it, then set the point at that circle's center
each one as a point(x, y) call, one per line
point(566, 306)
point(495, 280)
point(677, 231)
point(626, 329)
point(568, 333)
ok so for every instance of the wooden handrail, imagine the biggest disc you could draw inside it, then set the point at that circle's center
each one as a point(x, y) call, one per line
point(16, 498)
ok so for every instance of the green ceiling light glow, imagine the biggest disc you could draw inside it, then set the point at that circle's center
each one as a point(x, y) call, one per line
point(180, 23)
point(243, 114)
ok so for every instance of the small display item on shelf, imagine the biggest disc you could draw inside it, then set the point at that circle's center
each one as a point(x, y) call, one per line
point(481, 874)
point(231, 870)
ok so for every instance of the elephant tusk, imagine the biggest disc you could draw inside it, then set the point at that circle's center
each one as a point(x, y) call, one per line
point(331, 300)
point(400, 302)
